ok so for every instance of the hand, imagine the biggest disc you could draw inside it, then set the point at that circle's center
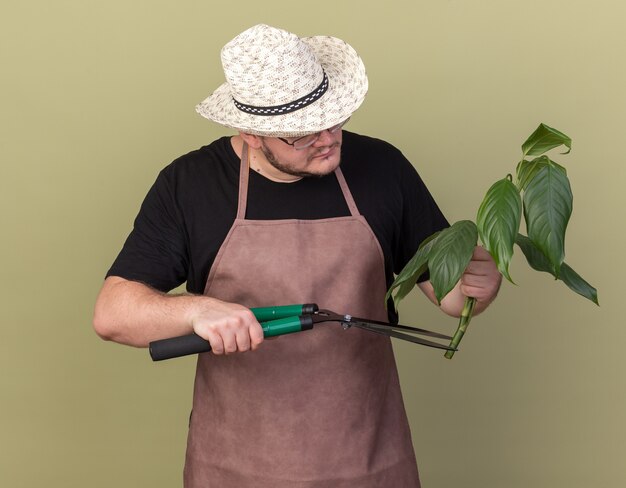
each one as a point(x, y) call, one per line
point(228, 327)
point(481, 278)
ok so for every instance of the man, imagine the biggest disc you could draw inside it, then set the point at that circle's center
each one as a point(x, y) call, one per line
point(269, 217)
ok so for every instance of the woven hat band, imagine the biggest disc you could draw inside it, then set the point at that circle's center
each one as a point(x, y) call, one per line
point(286, 108)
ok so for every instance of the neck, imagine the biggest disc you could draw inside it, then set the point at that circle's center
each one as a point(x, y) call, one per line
point(259, 163)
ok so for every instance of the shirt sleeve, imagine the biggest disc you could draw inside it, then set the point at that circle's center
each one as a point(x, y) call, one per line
point(421, 217)
point(155, 252)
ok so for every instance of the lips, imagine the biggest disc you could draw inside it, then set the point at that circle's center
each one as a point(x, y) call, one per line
point(326, 153)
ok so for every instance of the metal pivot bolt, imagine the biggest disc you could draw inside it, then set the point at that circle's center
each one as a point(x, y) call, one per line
point(346, 322)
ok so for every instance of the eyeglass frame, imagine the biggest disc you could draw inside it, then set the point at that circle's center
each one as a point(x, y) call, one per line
point(316, 135)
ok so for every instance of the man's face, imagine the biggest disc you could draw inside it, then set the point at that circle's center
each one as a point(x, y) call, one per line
point(319, 159)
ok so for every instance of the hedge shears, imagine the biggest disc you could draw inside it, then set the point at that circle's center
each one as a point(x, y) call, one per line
point(287, 319)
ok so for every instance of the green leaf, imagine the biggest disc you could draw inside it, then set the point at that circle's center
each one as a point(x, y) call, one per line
point(451, 255)
point(535, 258)
point(540, 263)
point(498, 220)
point(526, 170)
point(547, 209)
point(578, 284)
point(417, 266)
point(543, 139)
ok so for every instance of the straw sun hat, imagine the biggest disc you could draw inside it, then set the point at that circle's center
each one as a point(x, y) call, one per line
point(278, 84)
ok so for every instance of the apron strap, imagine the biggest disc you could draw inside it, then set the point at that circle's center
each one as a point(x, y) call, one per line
point(347, 194)
point(244, 172)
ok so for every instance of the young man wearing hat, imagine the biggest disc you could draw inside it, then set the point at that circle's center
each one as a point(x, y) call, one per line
point(271, 217)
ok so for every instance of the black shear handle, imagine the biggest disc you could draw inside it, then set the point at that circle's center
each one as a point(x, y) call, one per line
point(175, 347)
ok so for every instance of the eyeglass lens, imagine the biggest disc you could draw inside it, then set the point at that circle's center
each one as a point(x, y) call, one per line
point(309, 140)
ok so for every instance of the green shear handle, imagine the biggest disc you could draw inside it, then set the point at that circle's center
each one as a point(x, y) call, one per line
point(275, 321)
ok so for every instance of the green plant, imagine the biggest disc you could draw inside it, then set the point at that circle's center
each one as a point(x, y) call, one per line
point(542, 193)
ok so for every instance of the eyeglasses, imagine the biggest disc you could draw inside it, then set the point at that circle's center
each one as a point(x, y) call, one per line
point(310, 139)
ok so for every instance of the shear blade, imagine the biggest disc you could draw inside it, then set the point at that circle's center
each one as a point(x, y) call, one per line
point(415, 330)
point(404, 337)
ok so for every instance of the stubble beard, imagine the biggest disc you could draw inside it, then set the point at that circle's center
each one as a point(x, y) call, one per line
point(273, 160)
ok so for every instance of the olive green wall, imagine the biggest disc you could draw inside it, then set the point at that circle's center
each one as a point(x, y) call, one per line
point(96, 97)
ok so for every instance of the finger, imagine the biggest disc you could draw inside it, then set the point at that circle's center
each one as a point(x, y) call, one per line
point(480, 287)
point(478, 275)
point(482, 267)
point(471, 279)
point(217, 344)
point(255, 335)
point(242, 339)
point(230, 341)
point(481, 254)
point(473, 291)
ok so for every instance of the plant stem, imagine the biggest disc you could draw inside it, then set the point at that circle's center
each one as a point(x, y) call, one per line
point(464, 320)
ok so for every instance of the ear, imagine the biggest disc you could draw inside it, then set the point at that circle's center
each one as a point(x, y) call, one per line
point(253, 141)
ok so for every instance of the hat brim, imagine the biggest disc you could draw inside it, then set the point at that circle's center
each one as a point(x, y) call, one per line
point(346, 91)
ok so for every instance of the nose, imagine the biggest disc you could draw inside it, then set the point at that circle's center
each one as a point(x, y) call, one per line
point(326, 138)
